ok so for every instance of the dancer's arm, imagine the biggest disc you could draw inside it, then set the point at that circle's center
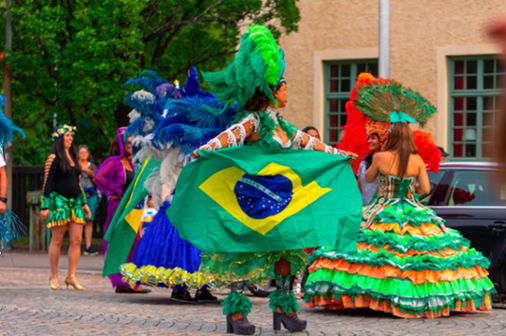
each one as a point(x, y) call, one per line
point(305, 141)
point(47, 186)
point(103, 179)
point(235, 135)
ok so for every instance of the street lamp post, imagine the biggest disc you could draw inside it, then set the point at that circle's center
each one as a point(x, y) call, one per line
point(384, 38)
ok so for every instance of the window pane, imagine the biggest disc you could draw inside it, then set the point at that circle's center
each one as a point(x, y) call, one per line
point(333, 85)
point(457, 134)
point(470, 150)
point(333, 105)
point(487, 134)
point(458, 83)
point(469, 134)
point(334, 71)
point(373, 69)
point(333, 120)
point(458, 119)
point(342, 105)
point(488, 119)
point(471, 83)
point(487, 149)
point(471, 119)
point(458, 103)
point(471, 104)
point(458, 150)
point(489, 66)
point(488, 82)
point(345, 70)
point(459, 67)
point(471, 67)
point(360, 68)
point(345, 85)
point(342, 119)
point(333, 136)
point(489, 103)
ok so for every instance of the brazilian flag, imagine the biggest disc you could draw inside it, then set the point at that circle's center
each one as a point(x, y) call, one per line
point(255, 199)
point(127, 218)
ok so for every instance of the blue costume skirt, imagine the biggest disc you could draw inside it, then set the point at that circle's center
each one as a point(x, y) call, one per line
point(163, 258)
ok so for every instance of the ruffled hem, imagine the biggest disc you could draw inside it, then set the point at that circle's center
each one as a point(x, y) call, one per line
point(411, 253)
point(400, 292)
point(74, 218)
point(254, 267)
point(407, 214)
point(468, 259)
point(422, 229)
point(452, 239)
point(163, 277)
point(483, 303)
point(388, 271)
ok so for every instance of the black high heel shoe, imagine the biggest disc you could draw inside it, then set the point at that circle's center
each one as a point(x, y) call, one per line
point(292, 323)
point(239, 326)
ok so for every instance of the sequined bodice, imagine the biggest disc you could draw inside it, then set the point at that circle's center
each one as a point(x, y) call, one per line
point(393, 187)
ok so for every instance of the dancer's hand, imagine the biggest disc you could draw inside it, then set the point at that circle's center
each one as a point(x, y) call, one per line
point(86, 211)
point(44, 214)
point(3, 207)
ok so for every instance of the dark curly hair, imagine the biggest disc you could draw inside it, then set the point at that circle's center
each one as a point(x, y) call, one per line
point(259, 102)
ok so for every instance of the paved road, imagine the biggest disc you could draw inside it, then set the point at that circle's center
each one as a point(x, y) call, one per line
point(29, 307)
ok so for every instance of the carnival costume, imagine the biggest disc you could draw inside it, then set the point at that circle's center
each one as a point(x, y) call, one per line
point(112, 179)
point(62, 193)
point(168, 123)
point(408, 262)
point(10, 225)
point(260, 210)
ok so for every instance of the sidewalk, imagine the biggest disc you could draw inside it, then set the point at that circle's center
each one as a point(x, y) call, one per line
point(21, 258)
point(29, 307)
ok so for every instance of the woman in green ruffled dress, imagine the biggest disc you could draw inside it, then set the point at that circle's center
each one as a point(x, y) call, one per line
point(408, 262)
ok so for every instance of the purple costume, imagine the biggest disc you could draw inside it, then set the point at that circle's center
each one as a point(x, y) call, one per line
point(112, 180)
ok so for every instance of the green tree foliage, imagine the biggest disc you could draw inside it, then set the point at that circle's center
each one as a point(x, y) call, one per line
point(70, 58)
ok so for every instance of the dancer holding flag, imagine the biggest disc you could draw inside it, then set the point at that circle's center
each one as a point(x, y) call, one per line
point(252, 209)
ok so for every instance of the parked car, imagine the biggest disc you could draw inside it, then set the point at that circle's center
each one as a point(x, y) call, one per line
point(465, 195)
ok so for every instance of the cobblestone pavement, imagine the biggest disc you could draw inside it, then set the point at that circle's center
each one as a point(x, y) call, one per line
point(29, 307)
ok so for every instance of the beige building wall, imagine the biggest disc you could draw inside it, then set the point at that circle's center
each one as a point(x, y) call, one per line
point(423, 34)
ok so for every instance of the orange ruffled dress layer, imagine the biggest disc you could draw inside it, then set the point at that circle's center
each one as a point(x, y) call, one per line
point(408, 263)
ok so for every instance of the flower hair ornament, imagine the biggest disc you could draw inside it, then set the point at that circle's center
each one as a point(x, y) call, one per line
point(62, 130)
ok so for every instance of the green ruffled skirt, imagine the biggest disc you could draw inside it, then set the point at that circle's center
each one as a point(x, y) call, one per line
point(63, 210)
point(408, 264)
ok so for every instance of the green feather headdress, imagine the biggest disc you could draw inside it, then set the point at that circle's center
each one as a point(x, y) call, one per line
point(258, 64)
point(379, 100)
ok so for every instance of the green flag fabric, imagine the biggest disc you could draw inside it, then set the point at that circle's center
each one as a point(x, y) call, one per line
point(256, 199)
point(127, 218)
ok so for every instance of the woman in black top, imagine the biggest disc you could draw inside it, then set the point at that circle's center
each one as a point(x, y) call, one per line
point(64, 204)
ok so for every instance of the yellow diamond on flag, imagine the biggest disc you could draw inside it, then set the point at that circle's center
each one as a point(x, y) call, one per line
point(221, 185)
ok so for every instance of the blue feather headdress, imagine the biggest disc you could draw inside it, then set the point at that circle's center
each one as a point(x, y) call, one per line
point(169, 116)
